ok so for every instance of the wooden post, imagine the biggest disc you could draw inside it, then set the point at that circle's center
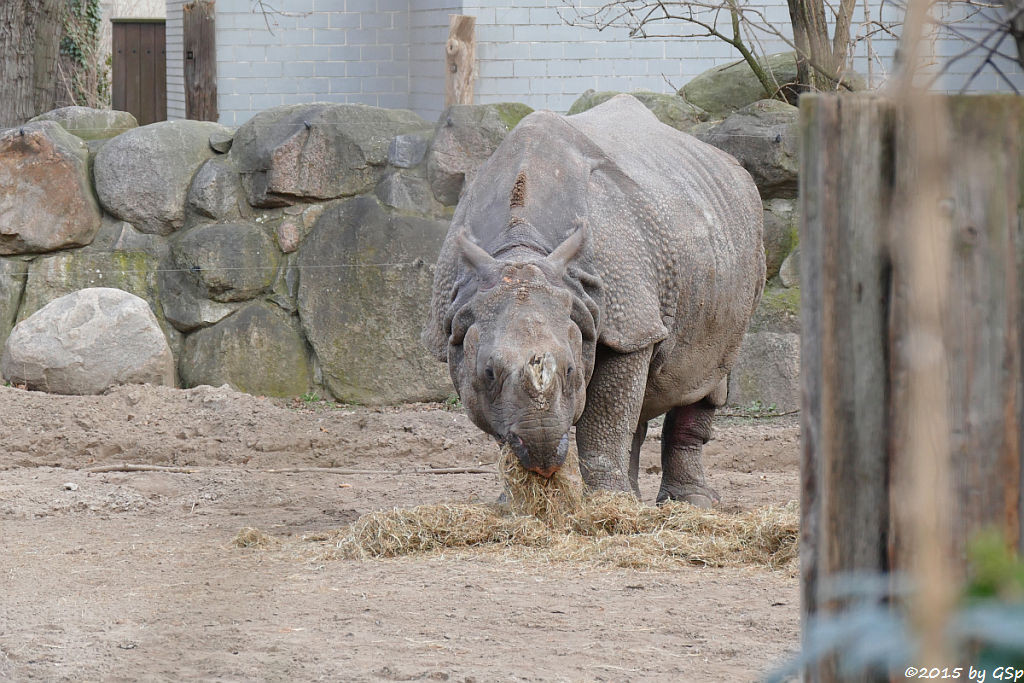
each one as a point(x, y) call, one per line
point(460, 60)
point(200, 54)
point(855, 337)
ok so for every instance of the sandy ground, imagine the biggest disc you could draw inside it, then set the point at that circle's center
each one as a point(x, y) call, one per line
point(133, 575)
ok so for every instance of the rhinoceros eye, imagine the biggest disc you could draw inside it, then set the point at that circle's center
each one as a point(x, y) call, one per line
point(489, 373)
point(568, 371)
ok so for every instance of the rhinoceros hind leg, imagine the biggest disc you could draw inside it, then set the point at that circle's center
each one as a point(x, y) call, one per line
point(686, 430)
point(634, 457)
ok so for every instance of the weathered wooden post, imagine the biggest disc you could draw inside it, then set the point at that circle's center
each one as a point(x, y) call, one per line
point(460, 60)
point(200, 53)
point(855, 338)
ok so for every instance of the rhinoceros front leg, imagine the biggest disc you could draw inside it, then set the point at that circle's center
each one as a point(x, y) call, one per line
point(686, 430)
point(605, 431)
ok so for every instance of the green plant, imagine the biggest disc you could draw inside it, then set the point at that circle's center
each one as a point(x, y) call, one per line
point(453, 402)
point(310, 397)
point(84, 71)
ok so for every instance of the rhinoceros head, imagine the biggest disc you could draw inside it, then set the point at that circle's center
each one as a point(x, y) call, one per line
point(516, 355)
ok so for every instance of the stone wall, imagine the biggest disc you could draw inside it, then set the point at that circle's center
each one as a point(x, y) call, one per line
point(296, 253)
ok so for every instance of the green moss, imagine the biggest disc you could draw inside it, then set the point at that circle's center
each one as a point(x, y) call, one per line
point(780, 300)
point(779, 311)
point(512, 113)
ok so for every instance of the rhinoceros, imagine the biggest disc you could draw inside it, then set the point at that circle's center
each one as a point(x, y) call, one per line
point(600, 270)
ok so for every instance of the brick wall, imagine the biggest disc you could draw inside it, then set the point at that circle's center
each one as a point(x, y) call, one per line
point(390, 53)
point(175, 60)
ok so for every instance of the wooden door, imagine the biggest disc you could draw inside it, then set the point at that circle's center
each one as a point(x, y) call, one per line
point(140, 68)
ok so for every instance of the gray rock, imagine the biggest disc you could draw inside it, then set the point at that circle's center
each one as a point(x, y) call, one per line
point(220, 141)
point(767, 371)
point(780, 233)
point(723, 89)
point(90, 124)
point(216, 190)
point(87, 342)
point(763, 138)
point(466, 135)
point(408, 150)
point(118, 235)
point(363, 319)
point(672, 110)
point(143, 175)
point(407, 191)
point(231, 261)
point(778, 311)
point(316, 151)
point(789, 273)
point(12, 285)
point(185, 301)
point(258, 350)
point(46, 197)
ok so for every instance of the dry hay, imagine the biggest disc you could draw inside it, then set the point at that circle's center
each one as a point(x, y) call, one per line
point(251, 537)
point(554, 520)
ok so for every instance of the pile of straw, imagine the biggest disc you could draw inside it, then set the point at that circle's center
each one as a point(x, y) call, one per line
point(557, 521)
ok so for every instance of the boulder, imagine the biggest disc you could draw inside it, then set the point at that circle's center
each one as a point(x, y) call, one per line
point(407, 151)
point(90, 124)
point(216, 190)
point(12, 285)
point(764, 139)
point(672, 110)
point(767, 371)
point(723, 89)
point(118, 235)
point(466, 135)
point(46, 197)
point(316, 151)
point(86, 342)
point(778, 311)
point(407, 191)
point(781, 227)
point(362, 318)
point(185, 301)
point(258, 350)
point(789, 273)
point(143, 175)
point(230, 261)
point(133, 271)
point(220, 141)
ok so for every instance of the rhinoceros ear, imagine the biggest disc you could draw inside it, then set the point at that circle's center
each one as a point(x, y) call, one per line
point(567, 250)
point(476, 258)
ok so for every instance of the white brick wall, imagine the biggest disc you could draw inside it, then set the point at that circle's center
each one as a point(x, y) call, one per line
point(390, 53)
point(349, 51)
point(175, 60)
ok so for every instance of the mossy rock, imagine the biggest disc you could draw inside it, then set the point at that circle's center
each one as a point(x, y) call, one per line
point(259, 350)
point(671, 110)
point(511, 113)
point(779, 311)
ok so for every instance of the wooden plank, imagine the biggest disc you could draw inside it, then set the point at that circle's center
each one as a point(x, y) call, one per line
point(200, 55)
point(460, 60)
point(844, 318)
point(117, 78)
point(857, 345)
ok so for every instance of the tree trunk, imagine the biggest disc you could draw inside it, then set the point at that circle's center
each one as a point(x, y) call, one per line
point(30, 33)
point(816, 63)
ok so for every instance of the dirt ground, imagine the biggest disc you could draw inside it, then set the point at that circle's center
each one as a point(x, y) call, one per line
point(124, 576)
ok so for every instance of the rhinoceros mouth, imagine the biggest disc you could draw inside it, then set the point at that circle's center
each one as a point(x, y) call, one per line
point(542, 464)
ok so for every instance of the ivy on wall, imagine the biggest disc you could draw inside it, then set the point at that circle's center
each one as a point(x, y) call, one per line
point(84, 71)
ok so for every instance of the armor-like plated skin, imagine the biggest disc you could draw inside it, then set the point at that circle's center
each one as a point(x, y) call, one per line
point(600, 270)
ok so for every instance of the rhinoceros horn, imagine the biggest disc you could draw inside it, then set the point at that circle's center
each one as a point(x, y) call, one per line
point(566, 251)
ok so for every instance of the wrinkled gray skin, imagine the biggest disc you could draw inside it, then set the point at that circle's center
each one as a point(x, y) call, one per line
point(600, 271)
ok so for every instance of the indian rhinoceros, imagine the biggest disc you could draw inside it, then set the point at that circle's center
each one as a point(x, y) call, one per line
point(600, 270)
